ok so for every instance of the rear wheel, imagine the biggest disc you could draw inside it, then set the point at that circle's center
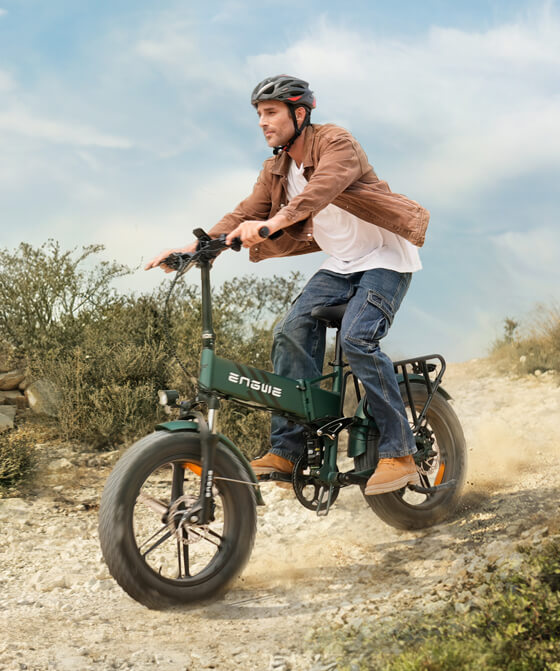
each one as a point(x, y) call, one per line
point(155, 555)
point(406, 509)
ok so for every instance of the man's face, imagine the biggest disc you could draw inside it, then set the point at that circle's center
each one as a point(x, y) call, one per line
point(276, 122)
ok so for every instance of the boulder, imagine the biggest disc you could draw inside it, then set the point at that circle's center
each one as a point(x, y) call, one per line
point(7, 414)
point(11, 379)
point(43, 397)
point(12, 397)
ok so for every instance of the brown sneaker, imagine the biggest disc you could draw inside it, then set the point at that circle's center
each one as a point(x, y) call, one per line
point(272, 463)
point(392, 474)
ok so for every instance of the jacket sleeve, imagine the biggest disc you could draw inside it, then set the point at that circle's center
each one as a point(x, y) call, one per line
point(341, 162)
point(254, 207)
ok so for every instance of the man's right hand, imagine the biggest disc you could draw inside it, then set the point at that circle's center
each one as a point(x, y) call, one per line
point(158, 260)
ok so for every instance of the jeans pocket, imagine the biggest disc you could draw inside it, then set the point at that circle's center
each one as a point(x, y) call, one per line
point(381, 303)
point(372, 321)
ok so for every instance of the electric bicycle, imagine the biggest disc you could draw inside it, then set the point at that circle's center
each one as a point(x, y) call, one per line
point(177, 518)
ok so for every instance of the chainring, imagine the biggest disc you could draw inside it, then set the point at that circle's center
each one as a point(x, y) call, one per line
point(309, 491)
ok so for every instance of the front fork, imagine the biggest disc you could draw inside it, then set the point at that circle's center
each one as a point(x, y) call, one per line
point(201, 511)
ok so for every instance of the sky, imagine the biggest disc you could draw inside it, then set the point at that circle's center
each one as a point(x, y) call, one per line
point(128, 124)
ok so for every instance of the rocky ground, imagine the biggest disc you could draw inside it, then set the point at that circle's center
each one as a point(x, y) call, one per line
point(60, 609)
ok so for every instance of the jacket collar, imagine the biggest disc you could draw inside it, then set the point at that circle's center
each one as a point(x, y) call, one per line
point(282, 163)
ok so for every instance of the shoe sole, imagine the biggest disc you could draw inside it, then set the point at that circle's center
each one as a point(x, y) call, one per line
point(266, 470)
point(386, 487)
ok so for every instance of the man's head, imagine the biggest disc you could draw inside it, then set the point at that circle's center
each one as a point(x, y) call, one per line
point(284, 106)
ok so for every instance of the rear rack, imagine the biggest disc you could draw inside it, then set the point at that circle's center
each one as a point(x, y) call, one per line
point(420, 369)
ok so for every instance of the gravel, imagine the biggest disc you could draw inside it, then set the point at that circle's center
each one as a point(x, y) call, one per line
point(60, 609)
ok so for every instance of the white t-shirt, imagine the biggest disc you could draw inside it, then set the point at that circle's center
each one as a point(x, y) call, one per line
point(354, 245)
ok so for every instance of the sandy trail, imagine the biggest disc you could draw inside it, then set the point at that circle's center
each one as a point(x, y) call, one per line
point(59, 608)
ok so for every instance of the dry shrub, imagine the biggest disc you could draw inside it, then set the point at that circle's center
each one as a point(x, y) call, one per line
point(533, 345)
point(16, 457)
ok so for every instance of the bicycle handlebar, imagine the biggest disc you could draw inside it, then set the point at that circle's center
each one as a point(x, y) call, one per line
point(208, 248)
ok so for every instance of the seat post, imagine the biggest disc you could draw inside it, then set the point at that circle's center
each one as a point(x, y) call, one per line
point(337, 349)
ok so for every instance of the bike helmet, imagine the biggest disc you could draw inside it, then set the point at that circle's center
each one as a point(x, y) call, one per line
point(290, 90)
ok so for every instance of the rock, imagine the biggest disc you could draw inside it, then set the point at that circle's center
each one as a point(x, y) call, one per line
point(11, 379)
point(43, 397)
point(7, 414)
point(59, 465)
point(11, 397)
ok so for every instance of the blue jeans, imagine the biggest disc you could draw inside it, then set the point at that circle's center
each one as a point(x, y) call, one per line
point(373, 298)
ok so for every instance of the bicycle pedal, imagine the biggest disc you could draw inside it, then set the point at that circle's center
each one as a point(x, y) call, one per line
point(275, 476)
point(433, 490)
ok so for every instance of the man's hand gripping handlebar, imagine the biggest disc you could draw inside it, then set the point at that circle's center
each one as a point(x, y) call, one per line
point(205, 247)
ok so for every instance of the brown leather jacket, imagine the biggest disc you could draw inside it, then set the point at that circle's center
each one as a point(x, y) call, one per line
point(337, 170)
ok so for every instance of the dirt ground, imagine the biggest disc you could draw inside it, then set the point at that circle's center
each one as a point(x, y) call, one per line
point(60, 609)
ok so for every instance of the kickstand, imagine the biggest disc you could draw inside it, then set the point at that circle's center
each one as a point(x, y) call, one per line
point(320, 511)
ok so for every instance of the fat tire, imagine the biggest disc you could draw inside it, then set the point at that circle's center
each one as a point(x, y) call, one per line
point(391, 507)
point(116, 511)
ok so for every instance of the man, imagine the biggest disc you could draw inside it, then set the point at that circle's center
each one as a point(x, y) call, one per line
point(319, 192)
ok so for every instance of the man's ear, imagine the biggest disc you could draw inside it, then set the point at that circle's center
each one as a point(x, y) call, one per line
point(300, 115)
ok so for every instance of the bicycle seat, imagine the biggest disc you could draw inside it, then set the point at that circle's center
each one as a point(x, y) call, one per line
point(332, 315)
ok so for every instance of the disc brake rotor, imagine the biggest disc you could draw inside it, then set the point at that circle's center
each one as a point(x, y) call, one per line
point(180, 527)
point(429, 465)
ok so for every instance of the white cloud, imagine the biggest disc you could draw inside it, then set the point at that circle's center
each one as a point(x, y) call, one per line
point(467, 109)
point(3, 12)
point(532, 254)
point(6, 82)
point(23, 122)
point(175, 46)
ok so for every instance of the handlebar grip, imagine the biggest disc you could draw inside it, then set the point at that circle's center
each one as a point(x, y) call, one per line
point(264, 232)
point(236, 244)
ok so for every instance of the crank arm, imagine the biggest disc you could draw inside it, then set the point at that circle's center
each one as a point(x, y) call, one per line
point(433, 490)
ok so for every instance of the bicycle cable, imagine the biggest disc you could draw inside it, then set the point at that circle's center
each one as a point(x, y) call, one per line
point(172, 349)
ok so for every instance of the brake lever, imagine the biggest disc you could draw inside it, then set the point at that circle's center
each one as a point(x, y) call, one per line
point(177, 260)
point(236, 244)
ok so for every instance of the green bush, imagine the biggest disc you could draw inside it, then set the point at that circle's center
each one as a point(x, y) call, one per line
point(16, 458)
point(516, 627)
point(47, 294)
point(108, 354)
point(108, 381)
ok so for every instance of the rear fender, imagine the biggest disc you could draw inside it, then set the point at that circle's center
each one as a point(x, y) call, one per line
point(357, 440)
point(192, 427)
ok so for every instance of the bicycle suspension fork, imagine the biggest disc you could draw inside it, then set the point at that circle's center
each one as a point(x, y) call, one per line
point(201, 511)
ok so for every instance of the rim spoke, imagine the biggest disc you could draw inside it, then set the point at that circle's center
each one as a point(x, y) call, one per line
point(203, 535)
point(158, 542)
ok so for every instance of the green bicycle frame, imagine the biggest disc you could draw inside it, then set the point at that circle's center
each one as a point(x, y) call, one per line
point(303, 401)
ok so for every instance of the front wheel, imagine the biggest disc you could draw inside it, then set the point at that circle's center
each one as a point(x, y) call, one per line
point(157, 557)
point(406, 509)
